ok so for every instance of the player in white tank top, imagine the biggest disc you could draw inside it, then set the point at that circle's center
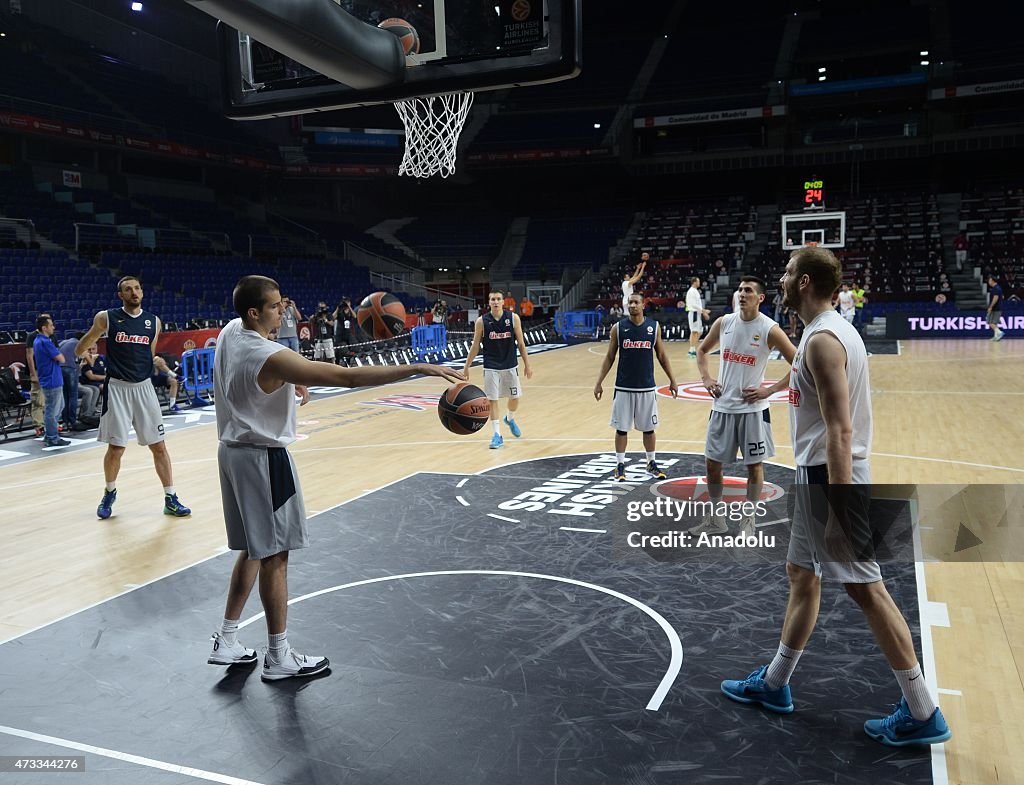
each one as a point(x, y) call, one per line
point(255, 423)
point(831, 423)
point(738, 420)
point(630, 280)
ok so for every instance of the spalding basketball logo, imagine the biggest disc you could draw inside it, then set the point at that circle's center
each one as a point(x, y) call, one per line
point(695, 391)
point(734, 489)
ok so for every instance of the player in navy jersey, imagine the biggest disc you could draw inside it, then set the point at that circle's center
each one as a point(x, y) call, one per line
point(499, 332)
point(637, 341)
point(129, 399)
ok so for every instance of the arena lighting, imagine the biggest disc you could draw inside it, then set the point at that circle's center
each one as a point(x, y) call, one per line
point(822, 78)
point(924, 62)
point(822, 70)
point(136, 6)
point(924, 53)
point(597, 125)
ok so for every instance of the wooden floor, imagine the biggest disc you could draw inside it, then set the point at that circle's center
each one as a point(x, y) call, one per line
point(947, 413)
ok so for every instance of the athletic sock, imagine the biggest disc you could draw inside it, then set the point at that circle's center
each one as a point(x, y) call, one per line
point(496, 424)
point(782, 666)
point(651, 454)
point(620, 457)
point(278, 647)
point(229, 631)
point(168, 490)
point(111, 486)
point(920, 701)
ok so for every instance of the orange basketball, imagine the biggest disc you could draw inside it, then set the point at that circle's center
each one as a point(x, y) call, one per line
point(381, 315)
point(464, 409)
point(406, 33)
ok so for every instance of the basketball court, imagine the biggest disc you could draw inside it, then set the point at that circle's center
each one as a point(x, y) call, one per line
point(472, 640)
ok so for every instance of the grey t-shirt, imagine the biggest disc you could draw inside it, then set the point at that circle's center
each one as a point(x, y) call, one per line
point(289, 323)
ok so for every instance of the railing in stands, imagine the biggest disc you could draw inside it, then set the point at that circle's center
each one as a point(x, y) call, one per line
point(24, 229)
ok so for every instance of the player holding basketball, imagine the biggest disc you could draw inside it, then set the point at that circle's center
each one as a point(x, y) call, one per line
point(629, 280)
point(740, 417)
point(129, 398)
point(499, 332)
point(830, 418)
point(257, 380)
point(695, 313)
point(637, 340)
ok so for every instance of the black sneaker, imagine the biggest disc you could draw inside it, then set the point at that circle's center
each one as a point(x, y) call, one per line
point(620, 472)
point(655, 471)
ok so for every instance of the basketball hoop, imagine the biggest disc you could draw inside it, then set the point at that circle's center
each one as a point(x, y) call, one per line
point(432, 128)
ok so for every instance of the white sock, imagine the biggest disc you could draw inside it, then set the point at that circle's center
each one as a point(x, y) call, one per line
point(620, 457)
point(278, 647)
point(229, 631)
point(782, 666)
point(111, 486)
point(919, 699)
point(168, 490)
point(510, 417)
point(496, 424)
point(650, 455)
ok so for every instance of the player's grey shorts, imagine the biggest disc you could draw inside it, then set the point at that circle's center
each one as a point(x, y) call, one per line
point(808, 547)
point(635, 410)
point(263, 509)
point(502, 383)
point(993, 318)
point(749, 433)
point(128, 405)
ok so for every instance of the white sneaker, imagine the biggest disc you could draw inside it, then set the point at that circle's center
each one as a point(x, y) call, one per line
point(294, 665)
point(712, 524)
point(747, 527)
point(235, 654)
point(998, 336)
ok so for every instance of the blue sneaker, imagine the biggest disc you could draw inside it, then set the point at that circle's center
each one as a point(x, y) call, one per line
point(753, 690)
point(106, 508)
point(174, 507)
point(900, 729)
point(513, 426)
point(496, 441)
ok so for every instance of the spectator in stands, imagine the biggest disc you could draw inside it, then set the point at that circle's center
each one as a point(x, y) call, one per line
point(38, 400)
point(960, 245)
point(50, 380)
point(526, 308)
point(323, 334)
point(165, 377)
point(345, 328)
point(70, 372)
point(615, 313)
point(93, 370)
point(288, 332)
point(777, 306)
point(510, 303)
point(995, 307)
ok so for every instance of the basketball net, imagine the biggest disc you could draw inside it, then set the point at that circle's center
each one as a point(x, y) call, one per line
point(432, 128)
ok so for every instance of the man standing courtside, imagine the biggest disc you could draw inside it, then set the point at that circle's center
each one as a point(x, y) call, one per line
point(129, 399)
point(257, 381)
point(637, 341)
point(499, 332)
point(288, 333)
point(740, 416)
point(830, 419)
point(695, 313)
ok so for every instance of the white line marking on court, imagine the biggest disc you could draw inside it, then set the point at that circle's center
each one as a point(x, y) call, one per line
point(589, 531)
point(462, 501)
point(502, 518)
point(675, 662)
point(462, 482)
point(770, 523)
point(174, 768)
point(944, 691)
point(940, 774)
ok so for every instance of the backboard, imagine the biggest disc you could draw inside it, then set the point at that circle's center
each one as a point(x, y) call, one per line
point(464, 46)
point(827, 230)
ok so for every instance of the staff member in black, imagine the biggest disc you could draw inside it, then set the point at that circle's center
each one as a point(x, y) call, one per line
point(129, 399)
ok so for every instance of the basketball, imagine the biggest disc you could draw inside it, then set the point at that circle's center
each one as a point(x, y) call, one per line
point(464, 409)
point(381, 315)
point(406, 34)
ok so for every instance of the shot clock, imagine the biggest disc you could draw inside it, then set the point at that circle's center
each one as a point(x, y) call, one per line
point(814, 194)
